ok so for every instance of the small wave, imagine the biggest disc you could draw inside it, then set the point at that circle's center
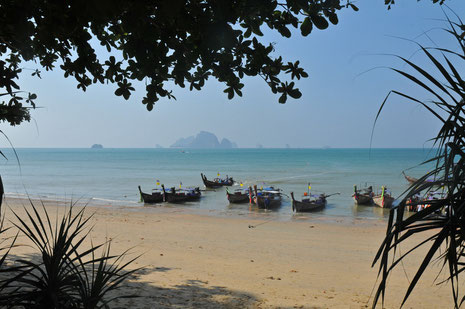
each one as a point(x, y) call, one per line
point(112, 201)
point(288, 178)
point(14, 194)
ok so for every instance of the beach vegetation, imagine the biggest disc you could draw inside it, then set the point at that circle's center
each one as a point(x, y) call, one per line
point(65, 271)
point(439, 227)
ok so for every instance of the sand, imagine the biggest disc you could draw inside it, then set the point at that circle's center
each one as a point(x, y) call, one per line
point(196, 260)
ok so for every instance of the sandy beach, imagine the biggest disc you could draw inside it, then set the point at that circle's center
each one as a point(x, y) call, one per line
point(193, 260)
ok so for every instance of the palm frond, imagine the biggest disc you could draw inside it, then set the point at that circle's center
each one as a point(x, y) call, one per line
point(446, 84)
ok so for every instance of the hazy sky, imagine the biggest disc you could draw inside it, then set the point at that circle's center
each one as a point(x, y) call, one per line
point(337, 108)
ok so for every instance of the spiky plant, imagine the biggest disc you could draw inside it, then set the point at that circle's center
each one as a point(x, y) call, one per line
point(64, 274)
point(444, 235)
point(6, 243)
point(100, 276)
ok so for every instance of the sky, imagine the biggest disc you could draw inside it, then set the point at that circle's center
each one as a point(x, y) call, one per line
point(348, 80)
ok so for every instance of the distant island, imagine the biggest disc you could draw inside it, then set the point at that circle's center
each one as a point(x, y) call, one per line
point(204, 140)
point(97, 146)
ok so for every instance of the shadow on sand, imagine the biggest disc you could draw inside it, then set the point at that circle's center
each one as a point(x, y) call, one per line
point(191, 294)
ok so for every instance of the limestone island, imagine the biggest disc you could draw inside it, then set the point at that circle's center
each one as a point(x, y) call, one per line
point(204, 140)
point(97, 146)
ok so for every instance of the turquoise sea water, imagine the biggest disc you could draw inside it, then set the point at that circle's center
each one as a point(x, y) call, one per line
point(112, 175)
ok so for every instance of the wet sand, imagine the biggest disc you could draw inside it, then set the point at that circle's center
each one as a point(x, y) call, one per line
point(193, 260)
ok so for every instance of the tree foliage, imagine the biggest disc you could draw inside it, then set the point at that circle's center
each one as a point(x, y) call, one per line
point(162, 43)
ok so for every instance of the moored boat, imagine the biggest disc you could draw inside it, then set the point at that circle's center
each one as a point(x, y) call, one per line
point(412, 202)
point(268, 198)
point(417, 203)
point(363, 196)
point(309, 203)
point(155, 197)
point(217, 182)
point(385, 199)
point(238, 196)
point(182, 195)
point(411, 180)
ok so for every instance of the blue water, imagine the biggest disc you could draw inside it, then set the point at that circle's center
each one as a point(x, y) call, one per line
point(112, 175)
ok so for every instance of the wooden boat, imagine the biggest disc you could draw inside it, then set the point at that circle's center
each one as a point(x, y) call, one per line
point(363, 196)
point(383, 200)
point(181, 195)
point(411, 180)
point(309, 203)
point(155, 197)
point(417, 204)
point(217, 182)
point(412, 203)
point(269, 198)
point(239, 196)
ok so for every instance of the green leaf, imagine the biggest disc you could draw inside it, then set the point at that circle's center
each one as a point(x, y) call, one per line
point(126, 94)
point(356, 8)
point(333, 19)
point(320, 22)
point(306, 27)
point(119, 92)
point(283, 98)
point(285, 32)
point(295, 93)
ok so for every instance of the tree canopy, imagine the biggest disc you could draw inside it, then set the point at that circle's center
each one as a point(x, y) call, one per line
point(163, 43)
point(180, 42)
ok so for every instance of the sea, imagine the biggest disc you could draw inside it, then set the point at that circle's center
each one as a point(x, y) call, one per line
point(112, 176)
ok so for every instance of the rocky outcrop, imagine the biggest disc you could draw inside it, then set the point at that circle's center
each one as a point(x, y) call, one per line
point(204, 140)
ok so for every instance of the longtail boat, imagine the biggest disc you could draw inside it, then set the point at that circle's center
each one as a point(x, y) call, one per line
point(238, 196)
point(363, 196)
point(383, 200)
point(268, 198)
point(412, 203)
point(217, 182)
point(417, 203)
point(308, 203)
point(182, 195)
point(411, 180)
point(155, 197)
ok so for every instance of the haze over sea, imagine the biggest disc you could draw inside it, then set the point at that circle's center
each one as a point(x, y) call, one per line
point(111, 176)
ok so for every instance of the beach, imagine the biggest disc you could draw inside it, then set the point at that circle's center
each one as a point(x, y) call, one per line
point(198, 260)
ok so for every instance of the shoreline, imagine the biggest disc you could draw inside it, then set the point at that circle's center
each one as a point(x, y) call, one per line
point(230, 211)
point(195, 260)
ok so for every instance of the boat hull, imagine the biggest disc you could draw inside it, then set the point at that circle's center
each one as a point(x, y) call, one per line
point(308, 205)
point(299, 206)
point(175, 197)
point(237, 198)
point(411, 180)
point(383, 201)
point(267, 202)
point(214, 184)
point(181, 198)
point(361, 199)
point(154, 198)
